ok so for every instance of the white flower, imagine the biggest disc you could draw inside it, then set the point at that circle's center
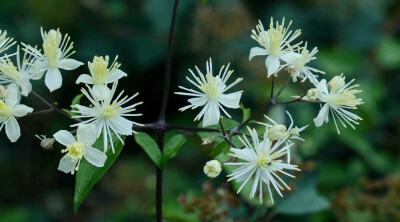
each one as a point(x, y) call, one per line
point(312, 94)
point(3, 92)
point(19, 75)
point(296, 64)
point(261, 160)
point(5, 42)
point(101, 75)
point(212, 94)
point(338, 98)
point(108, 115)
point(212, 168)
point(56, 51)
point(275, 44)
point(280, 132)
point(78, 148)
point(9, 109)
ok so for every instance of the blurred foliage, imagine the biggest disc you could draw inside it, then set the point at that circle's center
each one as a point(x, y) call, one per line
point(358, 37)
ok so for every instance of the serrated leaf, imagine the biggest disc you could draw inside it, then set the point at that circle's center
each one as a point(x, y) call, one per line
point(171, 148)
point(150, 147)
point(220, 148)
point(88, 175)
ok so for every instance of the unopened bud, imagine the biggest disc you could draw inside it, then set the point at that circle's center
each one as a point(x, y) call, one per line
point(212, 168)
point(207, 140)
point(312, 94)
point(277, 132)
point(3, 92)
point(46, 143)
point(336, 83)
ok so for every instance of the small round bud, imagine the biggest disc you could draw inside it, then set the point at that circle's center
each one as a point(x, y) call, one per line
point(336, 83)
point(47, 143)
point(207, 140)
point(312, 94)
point(3, 92)
point(212, 168)
point(277, 132)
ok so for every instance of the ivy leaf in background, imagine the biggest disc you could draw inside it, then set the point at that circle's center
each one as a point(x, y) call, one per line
point(88, 175)
point(304, 200)
point(150, 147)
point(172, 147)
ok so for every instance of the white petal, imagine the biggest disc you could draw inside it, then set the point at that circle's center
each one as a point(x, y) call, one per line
point(257, 51)
point(64, 137)
point(69, 64)
point(87, 134)
point(272, 63)
point(13, 95)
point(37, 69)
point(323, 115)
point(95, 157)
point(211, 115)
point(101, 92)
point(12, 129)
point(53, 79)
point(230, 100)
point(84, 78)
point(121, 125)
point(116, 75)
point(290, 57)
point(66, 165)
point(21, 110)
point(26, 88)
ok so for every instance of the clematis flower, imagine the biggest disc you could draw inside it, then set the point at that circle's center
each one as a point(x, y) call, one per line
point(56, 51)
point(9, 109)
point(108, 115)
point(101, 75)
point(296, 64)
point(212, 94)
point(5, 43)
point(19, 75)
point(338, 97)
point(262, 162)
point(275, 44)
point(79, 147)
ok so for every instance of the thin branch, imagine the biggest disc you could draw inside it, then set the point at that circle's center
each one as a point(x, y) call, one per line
point(281, 89)
point(292, 101)
point(226, 136)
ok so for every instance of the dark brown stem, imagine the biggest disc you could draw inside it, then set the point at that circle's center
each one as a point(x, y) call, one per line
point(226, 136)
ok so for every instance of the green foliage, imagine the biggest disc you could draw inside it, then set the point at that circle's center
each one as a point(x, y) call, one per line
point(246, 112)
point(150, 147)
point(88, 175)
point(220, 148)
point(171, 148)
point(388, 53)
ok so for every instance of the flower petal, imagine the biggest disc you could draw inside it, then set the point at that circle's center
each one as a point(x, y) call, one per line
point(116, 75)
point(230, 100)
point(257, 51)
point(95, 157)
point(211, 115)
point(66, 165)
point(87, 134)
point(272, 63)
point(69, 64)
point(101, 92)
point(13, 95)
point(121, 125)
point(12, 129)
point(85, 78)
point(64, 137)
point(290, 57)
point(323, 115)
point(53, 79)
point(21, 110)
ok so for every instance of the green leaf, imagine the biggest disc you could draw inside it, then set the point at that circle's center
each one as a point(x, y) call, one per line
point(304, 200)
point(220, 148)
point(88, 175)
point(77, 99)
point(172, 147)
point(150, 147)
point(246, 112)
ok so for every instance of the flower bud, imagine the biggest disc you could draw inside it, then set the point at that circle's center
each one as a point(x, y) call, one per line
point(212, 168)
point(312, 94)
point(3, 92)
point(336, 83)
point(207, 140)
point(277, 132)
point(47, 143)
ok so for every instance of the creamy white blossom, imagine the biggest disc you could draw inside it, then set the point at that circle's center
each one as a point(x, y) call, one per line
point(108, 115)
point(79, 147)
point(3, 92)
point(5, 43)
point(212, 94)
point(296, 63)
point(212, 168)
point(19, 75)
point(9, 109)
point(261, 160)
point(338, 97)
point(101, 75)
point(56, 50)
point(275, 44)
